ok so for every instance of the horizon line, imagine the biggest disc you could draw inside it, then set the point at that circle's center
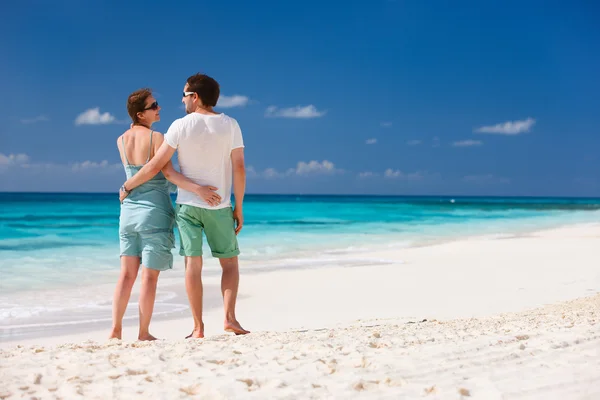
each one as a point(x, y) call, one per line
point(342, 195)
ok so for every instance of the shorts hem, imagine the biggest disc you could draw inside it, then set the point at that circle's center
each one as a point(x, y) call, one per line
point(159, 269)
point(188, 253)
point(226, 255)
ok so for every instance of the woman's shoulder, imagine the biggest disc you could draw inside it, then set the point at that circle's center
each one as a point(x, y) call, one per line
point(157, 137)
point(127, 133)
point(157, 140)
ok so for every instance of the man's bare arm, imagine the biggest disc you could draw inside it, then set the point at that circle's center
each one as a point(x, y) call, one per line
point(239, 186)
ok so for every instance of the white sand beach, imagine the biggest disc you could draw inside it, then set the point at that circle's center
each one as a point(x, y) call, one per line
point(510, 317)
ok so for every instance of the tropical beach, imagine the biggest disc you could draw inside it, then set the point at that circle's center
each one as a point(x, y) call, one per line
point(504, 314)
point(316, 200)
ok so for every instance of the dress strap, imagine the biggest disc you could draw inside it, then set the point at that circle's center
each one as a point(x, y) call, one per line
point(124, 151)
point(150, 148)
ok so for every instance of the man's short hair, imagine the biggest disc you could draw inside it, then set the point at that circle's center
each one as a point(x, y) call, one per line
point(136, 102)
point(206, 88)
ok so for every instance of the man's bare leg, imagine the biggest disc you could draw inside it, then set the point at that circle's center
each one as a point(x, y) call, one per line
point(147, 298)
point(129, 270)
point(230, 280)
point(193, 286)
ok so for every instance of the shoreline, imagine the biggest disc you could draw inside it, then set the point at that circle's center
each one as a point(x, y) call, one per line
point(391, 265)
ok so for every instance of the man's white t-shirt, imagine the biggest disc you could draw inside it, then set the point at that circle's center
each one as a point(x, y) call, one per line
point(204, 144)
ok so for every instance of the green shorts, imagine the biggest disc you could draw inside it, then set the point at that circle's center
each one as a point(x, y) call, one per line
point(218, 226)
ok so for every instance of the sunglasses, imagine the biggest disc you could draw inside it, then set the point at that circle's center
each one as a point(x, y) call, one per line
point(186, 94)
point(153, 106)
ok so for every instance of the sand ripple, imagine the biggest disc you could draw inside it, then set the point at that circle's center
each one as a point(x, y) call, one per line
point(547, 353)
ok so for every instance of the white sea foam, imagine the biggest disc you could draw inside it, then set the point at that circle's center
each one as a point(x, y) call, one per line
point(172, 308)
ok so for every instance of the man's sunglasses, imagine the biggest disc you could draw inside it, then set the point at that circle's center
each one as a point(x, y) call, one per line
point(186, 94)
point(153, 106)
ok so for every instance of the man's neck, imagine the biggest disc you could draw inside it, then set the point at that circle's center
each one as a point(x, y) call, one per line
point(205, 110)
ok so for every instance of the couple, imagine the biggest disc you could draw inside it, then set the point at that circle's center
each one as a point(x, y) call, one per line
point(211, 155)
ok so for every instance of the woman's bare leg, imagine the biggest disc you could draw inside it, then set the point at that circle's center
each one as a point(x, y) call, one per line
point(147, 298)
point(129, 270)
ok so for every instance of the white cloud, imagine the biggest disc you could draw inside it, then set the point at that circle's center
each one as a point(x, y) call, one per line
point(237, 100)
point(367, 174)
point(309, 111)
point(251, 172)
point(271, 173)
point(14, 159)
point(485, 179)
point(397, 174)
point(386, 124)
point(22, 161)
point(467, 143)
point(314, 167)
point(302, 169)
point(371, 141)
point(508, 128)
point(413, 142)
point(39, 118)
point(268, 173)
point(390, 173)
point(94, 117)
point(19, 173)
point(87, 165)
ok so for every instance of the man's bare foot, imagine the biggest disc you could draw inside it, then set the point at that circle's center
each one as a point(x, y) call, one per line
point(235, 327)
point(197, 333)
point(115, 334)
point(146, 337)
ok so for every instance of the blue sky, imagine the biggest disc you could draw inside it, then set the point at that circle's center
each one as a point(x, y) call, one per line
point(378, 97)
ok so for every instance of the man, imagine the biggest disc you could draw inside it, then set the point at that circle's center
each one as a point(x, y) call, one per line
point(210, 152)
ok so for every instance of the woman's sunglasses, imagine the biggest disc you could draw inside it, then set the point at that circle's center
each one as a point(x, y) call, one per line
point(153, 106)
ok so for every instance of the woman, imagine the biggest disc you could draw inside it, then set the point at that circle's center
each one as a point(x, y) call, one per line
point(147, 215)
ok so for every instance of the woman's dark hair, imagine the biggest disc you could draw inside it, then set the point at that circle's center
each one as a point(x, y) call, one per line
point(136, 102)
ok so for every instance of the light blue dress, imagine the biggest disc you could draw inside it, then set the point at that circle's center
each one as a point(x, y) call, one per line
point(147, 219)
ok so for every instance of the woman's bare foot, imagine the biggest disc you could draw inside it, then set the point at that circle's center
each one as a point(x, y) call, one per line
point(115, 334)
point(235, 327)
point(146, 337)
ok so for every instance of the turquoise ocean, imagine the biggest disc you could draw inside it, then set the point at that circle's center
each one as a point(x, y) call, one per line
point(59, 253)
